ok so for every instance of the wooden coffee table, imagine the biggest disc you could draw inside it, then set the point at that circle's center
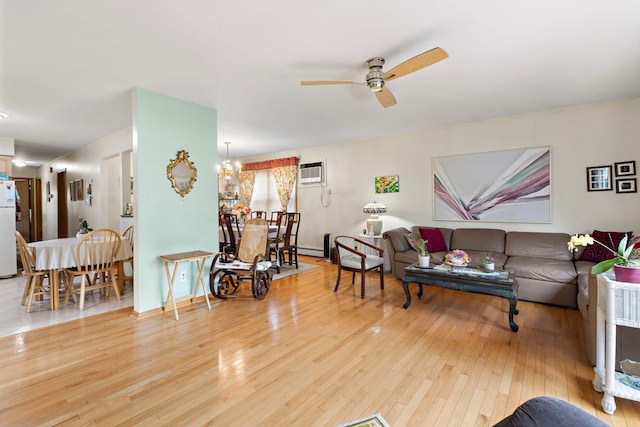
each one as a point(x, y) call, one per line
point(499, 283)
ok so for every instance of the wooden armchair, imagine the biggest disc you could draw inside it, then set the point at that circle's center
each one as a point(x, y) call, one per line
point(351, 258)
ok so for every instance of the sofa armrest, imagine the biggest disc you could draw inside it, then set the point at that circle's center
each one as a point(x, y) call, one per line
point(396, 242)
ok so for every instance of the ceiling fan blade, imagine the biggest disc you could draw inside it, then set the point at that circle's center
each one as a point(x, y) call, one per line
point(327, 82)
point(416, 63)
point(385, 97)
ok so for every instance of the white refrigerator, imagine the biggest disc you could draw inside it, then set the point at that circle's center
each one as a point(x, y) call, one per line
point(8, 260)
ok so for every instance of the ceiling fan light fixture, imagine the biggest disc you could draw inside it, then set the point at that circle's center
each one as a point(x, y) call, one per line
point(375, 82)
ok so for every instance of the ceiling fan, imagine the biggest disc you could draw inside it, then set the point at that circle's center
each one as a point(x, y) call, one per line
point(376, 79)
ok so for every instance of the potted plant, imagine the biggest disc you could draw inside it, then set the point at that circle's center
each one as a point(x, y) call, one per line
point(488, 262)
point(626, 269)
point(84, 227)
point(420, 245)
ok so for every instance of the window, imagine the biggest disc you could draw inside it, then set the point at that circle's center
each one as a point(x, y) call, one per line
point(265, 195)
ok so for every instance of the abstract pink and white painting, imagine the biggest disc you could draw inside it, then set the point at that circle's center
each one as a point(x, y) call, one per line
point(501, 186)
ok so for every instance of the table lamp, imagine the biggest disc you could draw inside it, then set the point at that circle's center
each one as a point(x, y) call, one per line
point(374, 224)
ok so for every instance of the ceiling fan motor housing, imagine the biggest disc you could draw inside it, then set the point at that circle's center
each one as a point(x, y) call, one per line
point(375, 82)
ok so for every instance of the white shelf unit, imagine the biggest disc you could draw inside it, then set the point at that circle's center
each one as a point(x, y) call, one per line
point(618, 304)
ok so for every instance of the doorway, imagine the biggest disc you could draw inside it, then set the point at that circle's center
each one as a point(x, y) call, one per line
point(63, 228)
point(29, 219)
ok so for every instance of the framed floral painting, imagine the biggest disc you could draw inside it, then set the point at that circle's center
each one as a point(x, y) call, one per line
point(387, 184)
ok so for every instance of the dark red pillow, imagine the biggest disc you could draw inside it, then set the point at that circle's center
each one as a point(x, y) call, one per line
point(597, 253)
point(434, 238)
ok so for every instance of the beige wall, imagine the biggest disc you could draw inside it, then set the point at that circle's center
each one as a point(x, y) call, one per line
point(581, 136)
point(85, 163)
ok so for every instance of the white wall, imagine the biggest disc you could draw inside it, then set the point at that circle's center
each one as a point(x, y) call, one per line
point(84, 163)
point(579, 137)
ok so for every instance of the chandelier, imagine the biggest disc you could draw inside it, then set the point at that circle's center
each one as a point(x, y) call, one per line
point(227, 170)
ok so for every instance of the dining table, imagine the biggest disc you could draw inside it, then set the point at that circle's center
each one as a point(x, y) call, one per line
point(56, 255)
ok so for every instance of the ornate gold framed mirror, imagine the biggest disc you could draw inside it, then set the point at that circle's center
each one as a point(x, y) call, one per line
point(182, 173)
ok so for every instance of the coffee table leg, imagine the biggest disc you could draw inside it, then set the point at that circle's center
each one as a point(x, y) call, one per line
point(513, 310)
point(405, 286)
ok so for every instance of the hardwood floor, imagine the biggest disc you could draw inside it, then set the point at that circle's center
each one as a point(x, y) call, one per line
point(303, 356)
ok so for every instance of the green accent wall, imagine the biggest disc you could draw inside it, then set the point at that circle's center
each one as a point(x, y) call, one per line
point(166, 223)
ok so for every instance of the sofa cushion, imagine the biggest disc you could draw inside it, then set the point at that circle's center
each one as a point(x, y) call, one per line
point(596, 252)
point(407, 257)
point(547, 269)
point(414, 242)
point(543, 245)
point(434, 238)
point(478, 239)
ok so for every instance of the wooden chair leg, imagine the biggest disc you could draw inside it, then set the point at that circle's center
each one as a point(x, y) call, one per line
point(32, 287)
point(337, 281)
point(362, 274)
point(27, 288)
point(381, 277)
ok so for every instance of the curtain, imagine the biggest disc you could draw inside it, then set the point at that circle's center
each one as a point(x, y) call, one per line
point(284, 171)
point(247, 180)
point(285, 178)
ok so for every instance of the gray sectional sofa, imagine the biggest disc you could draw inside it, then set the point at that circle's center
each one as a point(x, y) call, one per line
point(542, 264)
point(547, 272)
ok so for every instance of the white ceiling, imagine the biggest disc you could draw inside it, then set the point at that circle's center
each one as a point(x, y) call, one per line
point(67, 66)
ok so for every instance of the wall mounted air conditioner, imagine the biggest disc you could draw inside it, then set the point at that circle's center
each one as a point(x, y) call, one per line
point(311, 173)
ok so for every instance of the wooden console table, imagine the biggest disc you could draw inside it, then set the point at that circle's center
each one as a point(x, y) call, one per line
point(199, 257)
point(618, 304)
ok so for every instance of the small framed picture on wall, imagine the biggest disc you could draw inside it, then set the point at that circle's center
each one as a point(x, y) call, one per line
point(599, 178)
point(625, 168)
point(627, 185)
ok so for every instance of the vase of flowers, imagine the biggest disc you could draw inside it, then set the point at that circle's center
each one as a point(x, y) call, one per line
point(457, 258)
point(84, 227)
point(420, 245)
point(488, 263)
point(242, 211)
point(625, 262)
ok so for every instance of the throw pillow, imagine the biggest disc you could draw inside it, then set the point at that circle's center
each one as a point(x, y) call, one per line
point(597, 253)
point(434, 238)
point(412, 242)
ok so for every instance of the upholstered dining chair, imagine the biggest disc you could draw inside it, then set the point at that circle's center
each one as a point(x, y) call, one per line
point(35, 278)
point(289, 245)
point(95, 256)
point(127, 237)
point(352, 258)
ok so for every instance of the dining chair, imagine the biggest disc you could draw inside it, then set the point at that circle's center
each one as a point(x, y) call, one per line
point(274, 216)
point(259, 214)
point(35, 278)
point(95, 255)
point(277, 239)
point(289, 245)
point(350, 258)
point(230, 233)
point(127, 236)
